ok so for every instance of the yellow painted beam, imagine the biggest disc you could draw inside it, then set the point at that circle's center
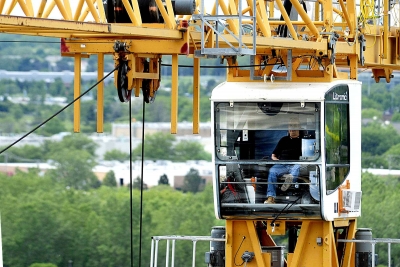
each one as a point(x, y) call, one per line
point(347, 17)
point(196, 95)
point(100, 93)
point(93, 10)
point(385, 29)
point(2, 2)
point(78, 10)
point(174, 95)
point(164, 13)
point(62, 9)
point(28, 11)
point(11, 7)
point(24, 23)
point(102, 13)
point(261, 15)
point(225, 10)
point(146, 47)
point(285, 16)
point(77, 92)
point(68, 9)
point(303, 14)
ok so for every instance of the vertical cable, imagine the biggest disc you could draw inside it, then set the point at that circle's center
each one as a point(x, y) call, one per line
point(141, 187)
point(130, 177)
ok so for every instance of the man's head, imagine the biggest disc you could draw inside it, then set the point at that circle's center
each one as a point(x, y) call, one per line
point(294, 127)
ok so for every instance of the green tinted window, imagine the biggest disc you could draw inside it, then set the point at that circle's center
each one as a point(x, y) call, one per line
point(337, 139)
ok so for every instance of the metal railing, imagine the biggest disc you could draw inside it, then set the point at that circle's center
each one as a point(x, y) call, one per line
point(373, 242)
point(155, 241)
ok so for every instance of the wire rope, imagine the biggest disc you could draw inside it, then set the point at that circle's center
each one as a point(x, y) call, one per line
point(141, 186)
point(130, 179)
point(58, 112)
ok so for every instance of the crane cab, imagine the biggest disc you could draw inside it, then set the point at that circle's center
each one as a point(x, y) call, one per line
point(250, 118)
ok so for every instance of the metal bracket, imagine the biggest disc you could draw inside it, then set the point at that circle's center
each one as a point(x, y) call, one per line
point(216, 24)
point(272, 78)
point(362, 42)
point(334, 37)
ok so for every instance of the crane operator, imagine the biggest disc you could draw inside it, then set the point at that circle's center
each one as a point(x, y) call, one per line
point(288, 148)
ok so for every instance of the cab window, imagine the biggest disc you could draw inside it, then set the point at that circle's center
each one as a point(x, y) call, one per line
point(337, 137)
point(251, 131)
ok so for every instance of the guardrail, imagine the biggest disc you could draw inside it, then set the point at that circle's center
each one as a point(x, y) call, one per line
point(154, 247)
point(373, 242)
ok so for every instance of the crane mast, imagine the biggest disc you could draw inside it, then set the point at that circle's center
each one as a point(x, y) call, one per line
point(283, 57)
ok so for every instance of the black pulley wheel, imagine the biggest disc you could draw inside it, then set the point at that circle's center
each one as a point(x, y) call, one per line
point(122, 81)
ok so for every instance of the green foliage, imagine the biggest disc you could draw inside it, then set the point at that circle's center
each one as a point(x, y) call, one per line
point(163, 180)
point(370, 113)
point(187, 149)
point(54, 126)
point(110, 180)
point(76, 141)
point(192, 181)
point(18, 118)
point(74, 169)
point(379, 211)
point(373, 161)
point(44, 222)
point(43, 265)
point(116, 154)
point(157, 146)
point(137, 184)
point(163, 146)
point(377, 138)
point(396, 117)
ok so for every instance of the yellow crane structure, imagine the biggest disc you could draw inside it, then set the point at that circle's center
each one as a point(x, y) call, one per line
point(336, 39)
point(314, 41)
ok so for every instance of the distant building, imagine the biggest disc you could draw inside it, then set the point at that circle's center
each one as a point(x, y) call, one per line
point(152, 171)
point(184, 129)
point(66, 76)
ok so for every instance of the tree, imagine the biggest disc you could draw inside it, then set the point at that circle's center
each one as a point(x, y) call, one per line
point(192, 181)
point(190, 150)
point(54, 126)
point(396, 117)
point(43, 265)
point(163, 180)
point(370, 113)
point(137, 183)
point(110, 180)
point(116, 154)
point(74, 169)
point(74, 141)
point(157, 146)
point(377, 138)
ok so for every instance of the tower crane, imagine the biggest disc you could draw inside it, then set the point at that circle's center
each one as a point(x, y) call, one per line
point(303, 61)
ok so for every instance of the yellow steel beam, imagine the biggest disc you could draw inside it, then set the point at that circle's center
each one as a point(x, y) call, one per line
point(78, 10)
point(2, 2)
point(23, 24)
point(166, 47)
point(174, 95)
point(385, 29)
point(261, 15)
point(77, 92)
point(287, 19)
point(11, 7)
point(100, 93)
point(196, 95)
